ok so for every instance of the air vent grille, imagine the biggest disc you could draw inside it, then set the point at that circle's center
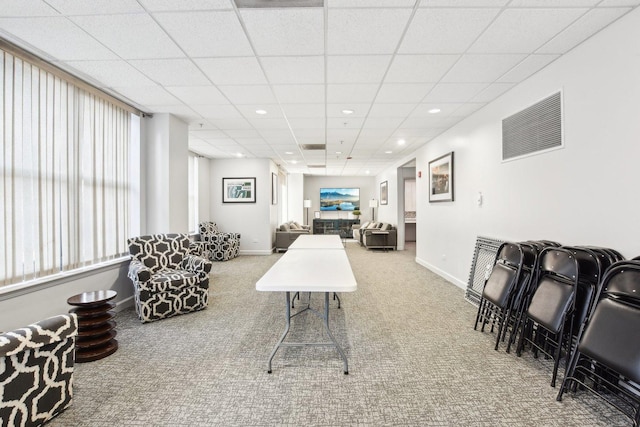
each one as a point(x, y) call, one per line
point(316, 166)
point(536, 128)
point(313, 146)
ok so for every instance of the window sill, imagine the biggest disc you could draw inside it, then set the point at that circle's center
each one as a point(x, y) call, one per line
point(12, 291)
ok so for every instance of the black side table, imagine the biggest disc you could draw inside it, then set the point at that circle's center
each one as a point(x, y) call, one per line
point(96, 329)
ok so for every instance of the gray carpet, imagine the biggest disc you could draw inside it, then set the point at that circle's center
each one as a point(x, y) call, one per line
point(414, 360)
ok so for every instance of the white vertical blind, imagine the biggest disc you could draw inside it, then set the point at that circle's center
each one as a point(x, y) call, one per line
point(64, 185)
point(194, 201)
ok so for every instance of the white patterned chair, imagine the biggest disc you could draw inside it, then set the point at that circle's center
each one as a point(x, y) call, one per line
point(36, 371)
point(167, 278)
point(218, 246)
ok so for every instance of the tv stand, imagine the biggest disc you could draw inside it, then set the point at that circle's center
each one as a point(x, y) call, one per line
point(338, 226)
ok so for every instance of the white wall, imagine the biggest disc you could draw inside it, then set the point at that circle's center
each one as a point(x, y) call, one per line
point(583, 194)
point(255, 221)
point(368, 190)
point(295, 196)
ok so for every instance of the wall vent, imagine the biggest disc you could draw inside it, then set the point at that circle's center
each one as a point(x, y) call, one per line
point(313, 146)
point(316, 166)
point(534, 129)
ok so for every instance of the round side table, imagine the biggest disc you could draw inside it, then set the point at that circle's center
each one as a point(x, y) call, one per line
point(96, 329)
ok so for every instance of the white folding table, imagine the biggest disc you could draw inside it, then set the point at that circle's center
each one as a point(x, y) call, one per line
point(317, 241)
point(309, 270)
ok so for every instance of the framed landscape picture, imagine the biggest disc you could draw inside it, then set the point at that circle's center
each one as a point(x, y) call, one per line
point(238, 190)
point(441, 179)
point(384, 193)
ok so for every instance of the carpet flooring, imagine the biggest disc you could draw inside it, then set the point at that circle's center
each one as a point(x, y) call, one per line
point(414, 360)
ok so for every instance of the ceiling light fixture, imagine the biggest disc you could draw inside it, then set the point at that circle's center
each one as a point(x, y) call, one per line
point(238, 154)
point(261, 112)
point(338, 152)
point(434, 111)
point(388, 152)
point(347, 112)
point(288, 152)
point(401, 142)
point(294, 161)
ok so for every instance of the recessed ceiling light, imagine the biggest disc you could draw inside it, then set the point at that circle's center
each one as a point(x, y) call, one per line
point(367, 172)
point(238, 154)
point(288, 152)
point(401, 142)
point(338, 152)
point(434, 111)
point(347, 112)
point(388, 152)
point(261, 112)
point(294, 161)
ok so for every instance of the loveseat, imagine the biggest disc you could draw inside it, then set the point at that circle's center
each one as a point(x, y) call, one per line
point(36, 371)
point(376, 235)
point(287, 233)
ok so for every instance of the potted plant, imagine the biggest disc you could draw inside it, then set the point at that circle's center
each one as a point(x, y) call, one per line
point(356, 213)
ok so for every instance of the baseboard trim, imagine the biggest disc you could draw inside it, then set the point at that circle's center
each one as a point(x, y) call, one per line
point(124, 304)
point(441, 273)
point(256, 252)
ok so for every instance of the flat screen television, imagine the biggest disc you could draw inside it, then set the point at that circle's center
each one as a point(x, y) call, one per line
point(339, 199)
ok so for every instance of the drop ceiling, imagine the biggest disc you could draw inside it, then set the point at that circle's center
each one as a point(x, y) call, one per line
point(364, 78)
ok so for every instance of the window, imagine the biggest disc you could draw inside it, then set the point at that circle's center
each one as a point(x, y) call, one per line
point(65, 187)
point(193, 193)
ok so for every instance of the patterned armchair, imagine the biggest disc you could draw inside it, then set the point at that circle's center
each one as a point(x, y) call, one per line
point(218, 246)
point(167, 279)
point(36, 371)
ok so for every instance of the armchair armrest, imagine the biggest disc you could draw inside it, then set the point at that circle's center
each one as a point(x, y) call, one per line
point(45, 332)
point(138, 272)
point(197, 265)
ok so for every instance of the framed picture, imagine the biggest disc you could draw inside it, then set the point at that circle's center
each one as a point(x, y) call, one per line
point(238, 190)
point(441, 179)
point(384, 193)
point(274, 189)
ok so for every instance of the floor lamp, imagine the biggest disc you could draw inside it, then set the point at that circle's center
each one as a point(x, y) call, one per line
point(307, 204)
point(373, 204)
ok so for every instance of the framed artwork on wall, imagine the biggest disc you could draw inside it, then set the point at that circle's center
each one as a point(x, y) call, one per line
point(441, 179)
point(384, 193)
point(274, 189)
point(238, 190)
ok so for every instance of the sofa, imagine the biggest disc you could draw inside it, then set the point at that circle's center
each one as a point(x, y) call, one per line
point(376, 235)
point(36, 371)
point(287, 233)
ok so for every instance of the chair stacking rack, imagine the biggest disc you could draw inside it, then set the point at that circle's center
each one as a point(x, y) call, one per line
point(607, 358)
point(548, 321)
point(501, 288)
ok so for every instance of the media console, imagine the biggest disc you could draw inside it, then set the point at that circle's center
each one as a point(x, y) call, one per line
point(334, 226)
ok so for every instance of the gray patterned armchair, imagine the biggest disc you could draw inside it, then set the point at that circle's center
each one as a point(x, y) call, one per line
point(36, 371)
point(216, 245)
point(167, 279)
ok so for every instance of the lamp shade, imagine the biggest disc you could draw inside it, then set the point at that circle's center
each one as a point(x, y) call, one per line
point(306, 203)
point(373, 203)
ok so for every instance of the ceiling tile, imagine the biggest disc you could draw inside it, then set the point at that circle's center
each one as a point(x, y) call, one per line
point(524, 30)
point(346, 93)
point(403, 92)
point(249, 111)
point(307, 123)
point(614, 3)
point(294, 31)
point(445, 30)
point(133, 36)
point(249, 94)
point(446, 109)
point(232, 71)
point(172, 5)
point(198, 95)
point(342, 123)
point(391, 110)
point(553, 3)
point(369, 3)
point(111, 73)
point(207, 134)
point(464, 3)
point(582, 29)
point(265, 124)
point(454, 92)
point(95, 7)
point(181, 111)
point(225, 124)
point(204, 34)
point(15, 8)
point(304, 110)
point(481, 68)
point(365, 31)
point(419, 68)
point(171, 72)
point(57, 38)
point(294, 70)
point(468, 108)
point(357, 69)
point(526, 68)
point(492, 92)
point(149, 95)
point(217, 111)
point(299, 94)
point(389, 123)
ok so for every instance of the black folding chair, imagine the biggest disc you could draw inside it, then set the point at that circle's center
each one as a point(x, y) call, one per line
point(549, 317)
point(500, 288)
point(607, 358)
